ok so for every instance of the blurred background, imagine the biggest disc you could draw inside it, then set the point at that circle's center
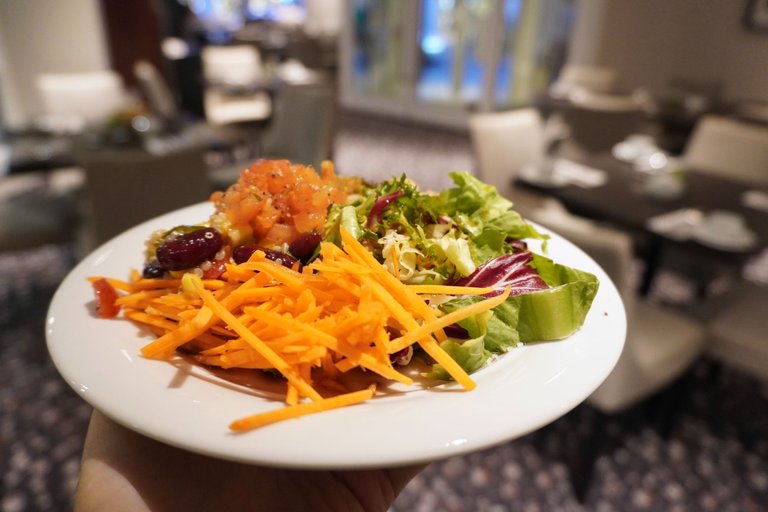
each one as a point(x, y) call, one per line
point(638, 130)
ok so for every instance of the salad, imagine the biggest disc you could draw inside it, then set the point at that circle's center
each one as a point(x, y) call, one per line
point(310, 277)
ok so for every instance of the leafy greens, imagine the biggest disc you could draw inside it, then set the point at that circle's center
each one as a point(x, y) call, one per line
point(469, 235)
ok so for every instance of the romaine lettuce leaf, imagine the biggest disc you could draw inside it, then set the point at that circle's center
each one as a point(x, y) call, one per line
point(558, 312)
point(548, 314)
point(470, 354)
point(496, 326)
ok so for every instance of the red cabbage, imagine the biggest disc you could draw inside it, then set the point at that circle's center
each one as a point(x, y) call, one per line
point(374, 217)
point(509, 270)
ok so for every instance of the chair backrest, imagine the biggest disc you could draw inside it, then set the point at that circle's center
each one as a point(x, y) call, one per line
point(72, 101)
point(729, 147)
point(324, 17)
point(303, 124)
point(752, 111)
point(126, 187)
point(597, 122)
point(505, 142)
point(236, 65)
point(156, 91)
point(610, 248)
point(577, 77)
point(233, 75)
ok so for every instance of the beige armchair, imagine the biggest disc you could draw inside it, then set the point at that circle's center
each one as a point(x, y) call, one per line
point(660, 344)
point(736, 330)
point(504, 143)
point(729, 147)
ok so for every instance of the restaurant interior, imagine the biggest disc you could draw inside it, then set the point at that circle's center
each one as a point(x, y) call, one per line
point(636, 130)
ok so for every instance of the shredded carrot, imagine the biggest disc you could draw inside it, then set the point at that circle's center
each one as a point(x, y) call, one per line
point(451, 318)
point(294, 411)
point(312, 325)
point(441, 289)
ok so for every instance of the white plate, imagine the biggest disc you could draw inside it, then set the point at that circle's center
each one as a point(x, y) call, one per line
point(183, 405)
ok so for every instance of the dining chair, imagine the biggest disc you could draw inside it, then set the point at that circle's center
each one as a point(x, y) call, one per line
point(232, 65)
point(736, 330)
point(156, 91)
point(127, 186)
point(579, 77)
point(659, 347)
point(71, 102)
point(503, 143)
point(597, 122)
point(303, 125)
point(234, 89)
point(754, 111)
point(729, 147)
point(660, 344)
point(164, 105)
point(324, 18)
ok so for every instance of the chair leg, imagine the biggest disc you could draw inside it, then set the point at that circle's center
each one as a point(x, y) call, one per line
point(665, 408)
point(653, 255)
point(582, 453)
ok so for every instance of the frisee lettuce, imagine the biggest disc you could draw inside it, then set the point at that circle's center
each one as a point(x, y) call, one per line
point(446, 236)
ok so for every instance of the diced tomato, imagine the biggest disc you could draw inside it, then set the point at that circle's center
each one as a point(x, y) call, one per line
point(215, 270)
point(276, 201)
point(218, 267)
point(106, 298)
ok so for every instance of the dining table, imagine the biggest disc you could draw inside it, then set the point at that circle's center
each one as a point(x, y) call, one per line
point(666, 223)
point(37, 150)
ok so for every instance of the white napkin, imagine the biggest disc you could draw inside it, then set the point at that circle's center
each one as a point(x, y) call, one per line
point(579, 174)
point(564, 172)
point(678, 224)
point(756, 199)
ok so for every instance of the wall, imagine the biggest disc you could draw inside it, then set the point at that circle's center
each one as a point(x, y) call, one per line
point(650, 42)
point(724, 47)
point(654, 42)
point(45, 35)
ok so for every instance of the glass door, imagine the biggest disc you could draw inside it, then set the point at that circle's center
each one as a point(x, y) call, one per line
point(438, 60)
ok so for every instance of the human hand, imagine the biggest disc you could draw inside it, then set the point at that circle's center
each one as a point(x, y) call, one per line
point(123, 470)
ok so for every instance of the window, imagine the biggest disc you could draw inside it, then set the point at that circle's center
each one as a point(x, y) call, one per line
point(439, 59)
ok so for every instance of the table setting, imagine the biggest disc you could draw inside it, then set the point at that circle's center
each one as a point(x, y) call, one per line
point(559, 172)
point(714, 220)
point(719, 229)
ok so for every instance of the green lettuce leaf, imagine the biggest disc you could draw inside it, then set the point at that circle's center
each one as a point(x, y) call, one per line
point(482, 212)
point(470, 354)
point(560, 311)
point(545, 315)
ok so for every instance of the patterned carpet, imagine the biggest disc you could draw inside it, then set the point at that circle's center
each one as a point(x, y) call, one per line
point(42, 421)
point(711, 454)
point(701, 446)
